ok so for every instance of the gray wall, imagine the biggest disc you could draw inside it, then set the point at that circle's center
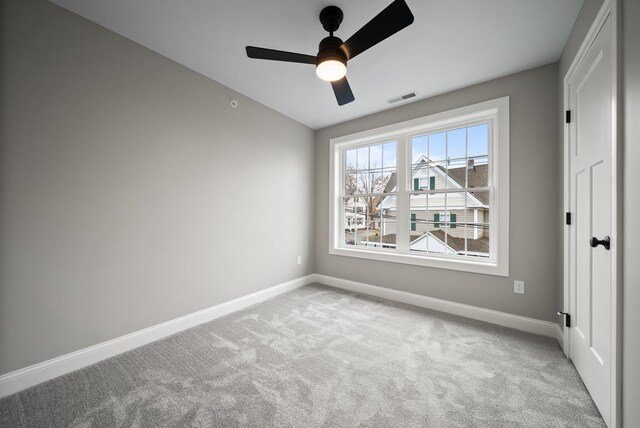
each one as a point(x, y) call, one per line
point(631, 211)
point(534, 183)
point(590, 9)
point(131, 192)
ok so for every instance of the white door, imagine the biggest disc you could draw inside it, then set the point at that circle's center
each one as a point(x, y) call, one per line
point(590, 143)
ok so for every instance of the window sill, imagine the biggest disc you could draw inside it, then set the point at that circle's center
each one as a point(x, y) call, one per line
point(487, 267)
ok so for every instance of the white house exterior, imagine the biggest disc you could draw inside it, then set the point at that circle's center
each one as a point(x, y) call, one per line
point(354, 215)
point(440, 221)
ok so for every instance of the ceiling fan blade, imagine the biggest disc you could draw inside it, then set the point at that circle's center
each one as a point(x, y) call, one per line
point(274, 55)
point(392, 19)
point(343, 91)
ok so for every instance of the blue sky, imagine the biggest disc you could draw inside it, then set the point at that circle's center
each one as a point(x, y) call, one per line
point(435, 146)
point(454, 144)
point(377, 156)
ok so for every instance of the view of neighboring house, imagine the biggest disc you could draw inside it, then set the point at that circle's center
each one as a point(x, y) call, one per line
point(355, 217)
point(368, 171)
point(445, 223)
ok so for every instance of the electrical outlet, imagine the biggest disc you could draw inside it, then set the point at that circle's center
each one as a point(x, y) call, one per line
point(299, 260)
point(518, 287)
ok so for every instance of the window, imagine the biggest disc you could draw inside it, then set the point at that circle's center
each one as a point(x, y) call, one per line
point(431, 191)
point(446, 218)
point(422, 183)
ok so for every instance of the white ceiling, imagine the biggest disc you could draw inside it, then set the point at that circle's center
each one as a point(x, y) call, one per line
point(450, 45)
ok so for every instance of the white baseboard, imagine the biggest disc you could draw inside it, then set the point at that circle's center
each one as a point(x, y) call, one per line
point(29, 376)
point(517, 322)
point(41, 372)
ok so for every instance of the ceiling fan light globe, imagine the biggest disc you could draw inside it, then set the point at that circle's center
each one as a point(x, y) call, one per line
point(331, 70)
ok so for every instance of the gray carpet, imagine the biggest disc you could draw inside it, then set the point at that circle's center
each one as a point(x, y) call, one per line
point(318, 357)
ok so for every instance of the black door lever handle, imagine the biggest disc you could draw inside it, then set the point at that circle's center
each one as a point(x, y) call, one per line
point(606, 242)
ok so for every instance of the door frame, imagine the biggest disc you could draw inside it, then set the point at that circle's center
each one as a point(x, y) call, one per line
point(610, 8)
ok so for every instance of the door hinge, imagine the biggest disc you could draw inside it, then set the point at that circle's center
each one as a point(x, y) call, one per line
point(567, 318)
point(567, 218)
point(567, 116)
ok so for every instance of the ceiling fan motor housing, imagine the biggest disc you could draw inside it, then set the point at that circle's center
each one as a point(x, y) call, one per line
point(330, 49)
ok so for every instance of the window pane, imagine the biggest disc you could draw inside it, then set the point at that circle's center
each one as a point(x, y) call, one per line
point(457, 176)
point(478, 137)
point(452, 219)
point(418, 223)
point(436, 224)
point(349, 237)
point(363, 182)
point(389, 178)
point(358, 236)
point(420, 178)
point(350, 182)
point(375, 156)
point(350, 159)
point(350, 178)
point(372, 236)
point(420, 243)
point(478, 156)
point(478, 247)
point(373, 214)
point(437, 243)
point(478, 232)
point(419, 149)
point(436, 203)
point(367, 235)
point(388, 234)
point(377, 180)
point(452, 228)
point(478, 171)
point(457, 148)
point(418, 215)
point(354, 213)
point(438, 147)
point(366, 208)
point(387, 207)
point(461, 239)
point(478, 199)
point(438, 170)
point(465, 217)
point(386, 212)
point(456, 158)
point(438, 159)
point(389, 154)
point(363, 158)
point(455, 203)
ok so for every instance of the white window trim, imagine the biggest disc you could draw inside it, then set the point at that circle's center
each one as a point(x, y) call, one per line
point(497, 112)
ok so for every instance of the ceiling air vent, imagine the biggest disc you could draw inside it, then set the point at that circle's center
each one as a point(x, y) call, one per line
point(401, 97)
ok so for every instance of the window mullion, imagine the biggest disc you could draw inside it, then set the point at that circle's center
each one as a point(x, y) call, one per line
point(404, 173)
point(339, 232)
point(466, 189)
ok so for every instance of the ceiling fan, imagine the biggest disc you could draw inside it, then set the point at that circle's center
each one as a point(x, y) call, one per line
point(333, 54)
